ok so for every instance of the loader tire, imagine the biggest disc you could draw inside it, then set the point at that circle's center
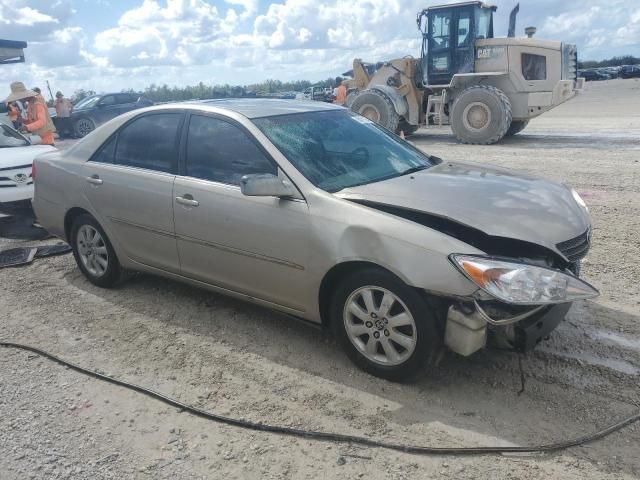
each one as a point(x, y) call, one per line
point(351, 96)
point(516, 127)
point(481, 115)
point(377, 107)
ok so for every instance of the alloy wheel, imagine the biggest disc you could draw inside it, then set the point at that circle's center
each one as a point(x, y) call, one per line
point(84, 126)
point(380, 325)
point(92, 250)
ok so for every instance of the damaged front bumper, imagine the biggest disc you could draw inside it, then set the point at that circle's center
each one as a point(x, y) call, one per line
point(469, 327)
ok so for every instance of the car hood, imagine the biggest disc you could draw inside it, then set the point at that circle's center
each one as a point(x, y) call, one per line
point(498, 202)
point(18, 156)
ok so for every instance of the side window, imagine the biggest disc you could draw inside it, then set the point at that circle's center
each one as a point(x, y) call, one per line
point(127, 98)
point(150, 142)
point(107, 151)
point(534, 67)
point(440, 25)
point(464, 29)
point(222, 152)
point(108, 100)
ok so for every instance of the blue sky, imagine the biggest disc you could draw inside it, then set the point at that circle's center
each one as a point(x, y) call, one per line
point(116, 44)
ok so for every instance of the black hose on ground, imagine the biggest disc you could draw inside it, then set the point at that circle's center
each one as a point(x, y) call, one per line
point(333, 437)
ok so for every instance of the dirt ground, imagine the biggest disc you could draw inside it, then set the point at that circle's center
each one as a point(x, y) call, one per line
point(243, 361)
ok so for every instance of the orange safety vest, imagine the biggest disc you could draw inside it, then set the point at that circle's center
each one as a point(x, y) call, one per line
point(39, 121)
point(341, 95)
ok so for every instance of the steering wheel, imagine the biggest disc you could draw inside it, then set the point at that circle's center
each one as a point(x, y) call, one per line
point(360, 157)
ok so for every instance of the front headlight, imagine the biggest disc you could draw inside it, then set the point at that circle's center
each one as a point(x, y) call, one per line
point(522, 284)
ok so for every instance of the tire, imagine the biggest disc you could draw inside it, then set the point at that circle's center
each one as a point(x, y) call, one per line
point(481, 115)
point(83, 127)
point(105, 274)
point(420, 339)
point(377, 107)
point(516, 127)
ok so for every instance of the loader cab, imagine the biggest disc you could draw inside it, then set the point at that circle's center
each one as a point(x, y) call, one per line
point(449, 35)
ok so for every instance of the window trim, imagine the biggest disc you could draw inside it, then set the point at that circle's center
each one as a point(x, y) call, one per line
point(116, 134)
point(182, 167)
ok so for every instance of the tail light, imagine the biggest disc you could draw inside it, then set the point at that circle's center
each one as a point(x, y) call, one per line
point(33, 171)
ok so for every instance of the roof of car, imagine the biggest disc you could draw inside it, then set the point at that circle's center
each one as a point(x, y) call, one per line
point(268, 107)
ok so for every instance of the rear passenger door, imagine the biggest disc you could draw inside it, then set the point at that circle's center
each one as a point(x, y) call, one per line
point(129, 184)
point(254, 245)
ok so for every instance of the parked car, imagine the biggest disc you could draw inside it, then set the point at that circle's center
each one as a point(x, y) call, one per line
point(16, 159)
point(630, 71)
point(310, 209)
point(90, 112)
point(593, 75)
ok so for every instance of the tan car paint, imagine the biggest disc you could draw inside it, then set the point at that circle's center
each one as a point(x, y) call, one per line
point(274, 267)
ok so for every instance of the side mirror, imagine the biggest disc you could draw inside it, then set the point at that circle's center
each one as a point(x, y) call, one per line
point(266, 185)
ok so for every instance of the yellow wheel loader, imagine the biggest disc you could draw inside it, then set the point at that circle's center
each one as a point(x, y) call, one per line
point(484, 87)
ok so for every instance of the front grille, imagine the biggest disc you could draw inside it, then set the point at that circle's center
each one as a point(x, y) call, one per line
point(576, 248)
point(569, 62)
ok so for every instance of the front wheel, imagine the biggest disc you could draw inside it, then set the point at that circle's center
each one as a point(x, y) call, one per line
point(384, 325)
point(376, 106)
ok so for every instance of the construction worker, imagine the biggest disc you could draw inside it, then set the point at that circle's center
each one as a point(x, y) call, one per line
point(38, 120)
point(14, 115)
point(340, 92)
point(39, 94)
point(63, 114)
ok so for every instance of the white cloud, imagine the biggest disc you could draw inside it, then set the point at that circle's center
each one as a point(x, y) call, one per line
point(240, 41)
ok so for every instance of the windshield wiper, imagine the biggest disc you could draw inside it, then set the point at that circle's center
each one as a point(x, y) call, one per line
point(413, 170)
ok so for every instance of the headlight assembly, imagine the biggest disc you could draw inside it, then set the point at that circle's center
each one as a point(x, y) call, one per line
point(522, 284)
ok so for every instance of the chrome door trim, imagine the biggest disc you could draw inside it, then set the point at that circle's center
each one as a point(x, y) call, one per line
point(237, 251)
point(142, 227)
point(217, 246)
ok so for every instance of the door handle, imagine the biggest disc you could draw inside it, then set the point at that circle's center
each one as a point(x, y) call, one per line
point(94, 180)
point(187, 200)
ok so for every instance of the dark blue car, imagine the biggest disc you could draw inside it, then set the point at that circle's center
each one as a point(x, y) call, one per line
point(95, 110)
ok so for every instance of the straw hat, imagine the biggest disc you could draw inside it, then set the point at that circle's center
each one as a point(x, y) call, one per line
point(19, 92)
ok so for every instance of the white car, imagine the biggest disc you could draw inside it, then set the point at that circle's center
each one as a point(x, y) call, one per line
point(16, 160)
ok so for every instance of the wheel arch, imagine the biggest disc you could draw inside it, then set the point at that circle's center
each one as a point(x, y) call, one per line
point(340, 271)
point(70, 217)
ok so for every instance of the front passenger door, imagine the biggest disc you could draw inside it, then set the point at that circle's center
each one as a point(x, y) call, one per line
point(106, 109)
point(258, 246)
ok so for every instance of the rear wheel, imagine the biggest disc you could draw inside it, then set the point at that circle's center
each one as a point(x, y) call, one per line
point(481, 115)
point(377, 107)
point(384, 326)
point(516, 127)
point(83, 127)
point(93, 252)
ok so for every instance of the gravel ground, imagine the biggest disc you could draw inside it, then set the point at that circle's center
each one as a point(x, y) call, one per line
point(243, 361)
